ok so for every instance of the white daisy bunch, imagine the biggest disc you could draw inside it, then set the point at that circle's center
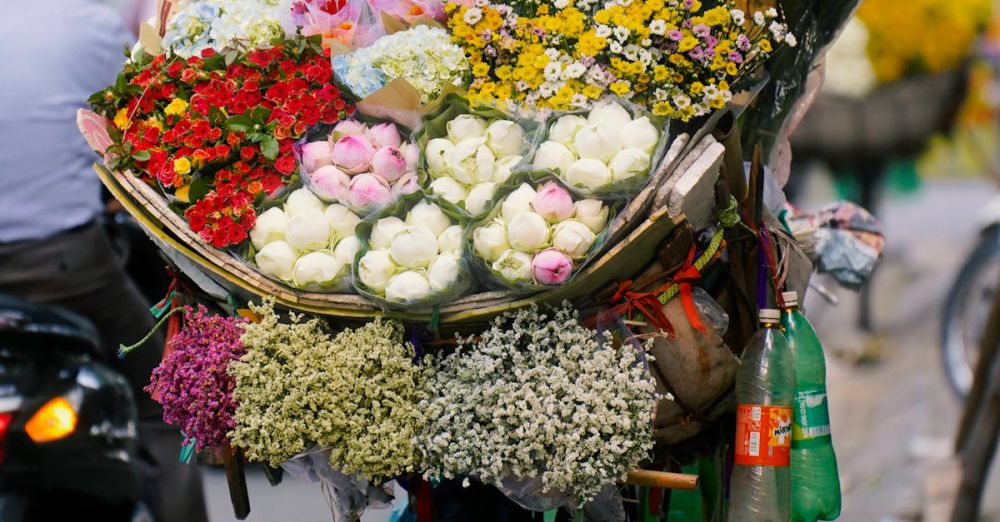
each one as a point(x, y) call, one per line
point(539, 395)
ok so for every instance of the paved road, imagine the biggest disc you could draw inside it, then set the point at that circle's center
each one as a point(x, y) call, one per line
point(890, 416)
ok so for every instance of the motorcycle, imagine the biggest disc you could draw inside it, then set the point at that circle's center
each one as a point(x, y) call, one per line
point(68, 433)
point(968, 303)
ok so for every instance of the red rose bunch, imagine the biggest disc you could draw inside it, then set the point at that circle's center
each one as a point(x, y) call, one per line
point(216, 131)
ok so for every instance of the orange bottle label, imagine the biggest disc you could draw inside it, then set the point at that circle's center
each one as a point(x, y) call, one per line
point(763, 435)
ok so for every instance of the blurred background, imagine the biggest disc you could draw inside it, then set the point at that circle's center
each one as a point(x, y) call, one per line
point(906, 125)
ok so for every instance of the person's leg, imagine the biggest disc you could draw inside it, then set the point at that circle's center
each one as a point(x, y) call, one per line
point(80, 271)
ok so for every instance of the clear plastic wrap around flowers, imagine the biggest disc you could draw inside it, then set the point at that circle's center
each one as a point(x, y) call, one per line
point(608, 151)
point(538, 235)
point(467, 152)
point(411, 255)
point(349, 495)
point(304, 243)
point(365, 165)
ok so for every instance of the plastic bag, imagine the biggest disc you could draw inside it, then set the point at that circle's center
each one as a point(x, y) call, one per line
point(498, 265)
point(527, 493)
point(562, 127)
point(467, 195)
point(353, 25)
point(368, 190)
point(443, 277)
point(349, 495)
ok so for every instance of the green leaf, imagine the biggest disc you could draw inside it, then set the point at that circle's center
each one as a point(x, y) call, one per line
point(141, 155)
point(260, 115)
point(269, 147)
point(199, 189)
point(239, 123)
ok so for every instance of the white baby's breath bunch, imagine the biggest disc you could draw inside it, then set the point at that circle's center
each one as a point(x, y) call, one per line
point(540, 396)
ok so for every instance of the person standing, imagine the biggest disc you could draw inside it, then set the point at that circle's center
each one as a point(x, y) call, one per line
point(53, 248)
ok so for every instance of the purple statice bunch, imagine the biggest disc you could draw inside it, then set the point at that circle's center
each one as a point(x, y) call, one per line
point(192, 380)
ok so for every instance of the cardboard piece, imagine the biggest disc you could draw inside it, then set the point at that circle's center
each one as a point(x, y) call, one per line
point(694, 193)
point(397, 101)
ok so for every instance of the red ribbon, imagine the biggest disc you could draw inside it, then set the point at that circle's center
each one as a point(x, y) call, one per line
point(684, 278)
point(645, 303)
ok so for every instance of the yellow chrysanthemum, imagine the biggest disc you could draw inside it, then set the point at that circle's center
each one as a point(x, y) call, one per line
point(688, 43)
point(480, 69)
point(620, 87)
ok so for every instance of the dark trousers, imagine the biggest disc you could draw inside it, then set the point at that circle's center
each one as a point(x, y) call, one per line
point(79, 270)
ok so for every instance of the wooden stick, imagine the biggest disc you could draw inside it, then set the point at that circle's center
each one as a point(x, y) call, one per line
point(662, 479)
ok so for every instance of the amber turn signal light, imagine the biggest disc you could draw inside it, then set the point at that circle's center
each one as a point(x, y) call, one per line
point(53, 421)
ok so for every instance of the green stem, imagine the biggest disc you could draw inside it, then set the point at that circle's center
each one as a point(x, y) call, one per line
point(124, 350)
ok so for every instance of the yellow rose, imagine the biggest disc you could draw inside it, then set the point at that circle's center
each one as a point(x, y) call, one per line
point(176, 107)
point(121, 119)
point(182, 166)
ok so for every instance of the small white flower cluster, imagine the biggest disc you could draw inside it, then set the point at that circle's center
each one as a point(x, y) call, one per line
point(606, 147)
point(217, 24)
point(307, 244)
point(473, 159)
point(424, 56)
point(410, 260)
point(539, 396)
point(539, 236)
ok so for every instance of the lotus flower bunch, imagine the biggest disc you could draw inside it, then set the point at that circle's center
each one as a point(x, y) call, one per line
point(365, 168)
point(308, 244)
point(413, 258)
point(474, 157)
point(606, 147)
point(539, 234)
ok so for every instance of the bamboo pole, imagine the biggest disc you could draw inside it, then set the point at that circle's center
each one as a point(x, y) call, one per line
point(662, 479)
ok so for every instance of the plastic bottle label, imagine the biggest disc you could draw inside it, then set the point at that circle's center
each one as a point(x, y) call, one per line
point(811, 426)
point(763, 435)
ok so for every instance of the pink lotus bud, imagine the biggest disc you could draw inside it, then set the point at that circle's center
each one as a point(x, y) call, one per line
point(411, 151)
point(553, 202)
point(353, 154)
point(368, 192)
point(384, 135)
point(388, 163)
point(348, 128)
point(408, 184)
point(551, 267)
point(329, 183)
point(316, 154)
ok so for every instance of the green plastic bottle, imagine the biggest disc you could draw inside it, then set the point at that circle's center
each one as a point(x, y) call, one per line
point(815, 481)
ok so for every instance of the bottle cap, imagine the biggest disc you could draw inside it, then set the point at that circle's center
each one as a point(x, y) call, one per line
point(769, 315)
point(790, 298)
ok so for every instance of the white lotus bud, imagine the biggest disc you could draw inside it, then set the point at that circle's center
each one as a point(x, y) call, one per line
point(437, 153)
point(601, 143)
point(565, 128)
point(317, 269)
point(478, 200)
point(308, 231)
point(490, 240)
point(407, 286)
point(450, 240)
point(276, 259)
point(554, 156)
point(384, 232)
point(589, 174)
point(591, 212)
point(629, 163)
point(449, 190)
point(342, 221)
point(514, 266)
point(414, 247)
point(465, 127)
point(503, 166)
point(472, 161)
point(573, 238)
point(375, 269)
point(443, 272)
point(505, 138)
point(517, 202)
point(270, 226)
point(640, 134)
point(347, 249)
point(528, 232)
point(609, 115)
point(430, 215)
point(301, 200)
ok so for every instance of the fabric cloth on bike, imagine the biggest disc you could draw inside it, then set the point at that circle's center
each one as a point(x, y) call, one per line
point(52, 247)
